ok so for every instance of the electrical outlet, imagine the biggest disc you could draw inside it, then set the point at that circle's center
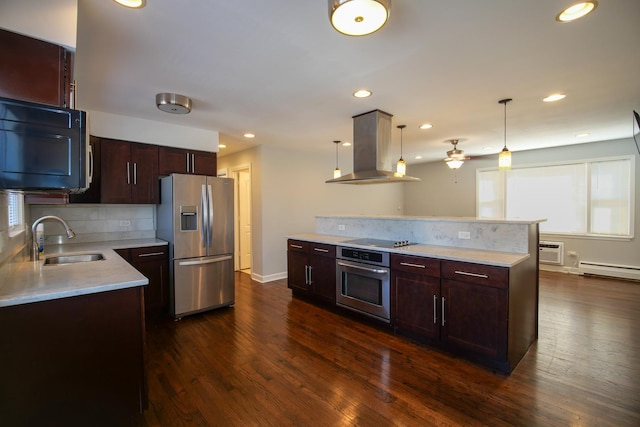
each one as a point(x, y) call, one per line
point(341, 227)
point(464, 235)
point(125, 223)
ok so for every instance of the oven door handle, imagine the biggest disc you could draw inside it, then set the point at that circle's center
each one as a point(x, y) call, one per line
point(367, 269)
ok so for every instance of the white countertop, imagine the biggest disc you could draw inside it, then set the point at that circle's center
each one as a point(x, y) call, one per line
point(33, 281)
point(500, 259)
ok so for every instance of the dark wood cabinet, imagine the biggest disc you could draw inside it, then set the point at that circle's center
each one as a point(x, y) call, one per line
point(123, 173)
point(179, 160)
point(475, 304)
point(312, 270)
point(153, 263)
point(75, 360)
point(129, 172)
point(415, 296)
point(34, 70)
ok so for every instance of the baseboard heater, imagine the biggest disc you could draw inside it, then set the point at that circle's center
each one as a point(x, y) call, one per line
point(609, 270)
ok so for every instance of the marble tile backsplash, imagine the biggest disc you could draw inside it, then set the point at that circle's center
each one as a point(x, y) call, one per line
point(97, 223)
point(484, 235)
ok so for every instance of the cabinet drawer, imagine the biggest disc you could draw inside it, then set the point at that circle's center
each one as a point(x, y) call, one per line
point(497, 277)
point(322, 250)
point(298, 246)
point(149, 253)
point(416, 264)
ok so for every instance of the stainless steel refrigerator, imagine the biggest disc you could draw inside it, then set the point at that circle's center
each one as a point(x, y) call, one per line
point(195, 216)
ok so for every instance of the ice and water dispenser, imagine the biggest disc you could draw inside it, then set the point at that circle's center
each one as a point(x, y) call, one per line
point(188, 218)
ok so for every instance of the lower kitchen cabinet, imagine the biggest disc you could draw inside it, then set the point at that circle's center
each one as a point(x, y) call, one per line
point(483, 313)
point(312, 270)
point(415, 296)
point(153, 263)
point(73, 361)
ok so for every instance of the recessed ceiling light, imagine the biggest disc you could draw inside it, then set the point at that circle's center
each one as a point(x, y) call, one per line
point(222, 146)
point(577, 11)
point(426, 126)
point(346, 144)
point(249, 135)
point(554, 97)
point(487, 148)
point(133, 4)
point(417, 157)
point(582, 135)
point(362, 93)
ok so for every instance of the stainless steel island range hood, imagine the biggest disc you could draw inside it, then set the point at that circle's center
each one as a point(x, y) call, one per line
point(372, 162)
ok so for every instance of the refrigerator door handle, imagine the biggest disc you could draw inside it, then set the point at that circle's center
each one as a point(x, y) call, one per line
point(204, 218)
point(206, 261)
point(210, 222)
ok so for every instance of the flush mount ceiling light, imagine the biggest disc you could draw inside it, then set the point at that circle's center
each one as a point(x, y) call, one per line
point(504, 158)
point(401, 166)
point(577, 11)
point(358, 17)
point(133, 4)
point(336, 172)
point(173, 103)
point(455, 158)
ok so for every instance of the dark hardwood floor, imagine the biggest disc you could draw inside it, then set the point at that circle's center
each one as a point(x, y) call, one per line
point(272, 360)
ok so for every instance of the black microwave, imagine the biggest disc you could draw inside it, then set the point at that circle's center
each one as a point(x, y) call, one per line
point(43, 147)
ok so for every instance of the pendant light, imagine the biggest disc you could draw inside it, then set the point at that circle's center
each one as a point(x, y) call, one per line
point(336, 172)
point(401, 166)
point(504, 158)
point(358, 17)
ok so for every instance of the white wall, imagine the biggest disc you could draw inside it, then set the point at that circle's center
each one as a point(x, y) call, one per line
point(55, 21)
point(438, 194)
point(115, 126)
point(289, 190)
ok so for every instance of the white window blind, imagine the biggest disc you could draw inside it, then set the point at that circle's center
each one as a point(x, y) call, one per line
point(592, 197)
point(15, 213)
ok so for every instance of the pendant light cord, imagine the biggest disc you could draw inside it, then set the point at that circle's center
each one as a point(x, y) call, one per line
point(505, 101)
point(401, 127)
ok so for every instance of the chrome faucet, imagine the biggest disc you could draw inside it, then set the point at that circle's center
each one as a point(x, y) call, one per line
point(34, 247)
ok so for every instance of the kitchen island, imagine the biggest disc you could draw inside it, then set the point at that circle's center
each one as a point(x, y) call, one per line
point(73, 339)
point(478, 300)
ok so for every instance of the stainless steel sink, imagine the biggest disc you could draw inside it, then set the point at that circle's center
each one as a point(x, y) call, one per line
point(72, 259)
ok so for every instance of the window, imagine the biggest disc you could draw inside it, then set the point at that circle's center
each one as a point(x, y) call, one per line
point(591, 198)
point(15, 202)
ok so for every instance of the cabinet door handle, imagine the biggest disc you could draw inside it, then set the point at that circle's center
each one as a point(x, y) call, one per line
point(193, 163)
point(128, 174)
point(135, 173)
point(310, 275)
point(435, 309)
point(466, 273)
point(187, 162)
point(443, 320)
point(408, 264)
point(150, 254)
point(295, 246)
point(321, 250)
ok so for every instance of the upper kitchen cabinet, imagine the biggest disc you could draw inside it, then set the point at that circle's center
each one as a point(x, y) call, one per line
point(34, 70)
point(179, 160)
point(124, 173)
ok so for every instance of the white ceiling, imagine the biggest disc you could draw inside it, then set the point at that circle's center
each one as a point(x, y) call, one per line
point(278, 69)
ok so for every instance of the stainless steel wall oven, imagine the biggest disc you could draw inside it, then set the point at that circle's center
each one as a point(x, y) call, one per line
point(363, 282)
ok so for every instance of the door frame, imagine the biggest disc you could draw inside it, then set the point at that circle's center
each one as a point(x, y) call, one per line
point(234, 172)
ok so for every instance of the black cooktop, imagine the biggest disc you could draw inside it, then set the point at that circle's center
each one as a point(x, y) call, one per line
point(378, 243)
